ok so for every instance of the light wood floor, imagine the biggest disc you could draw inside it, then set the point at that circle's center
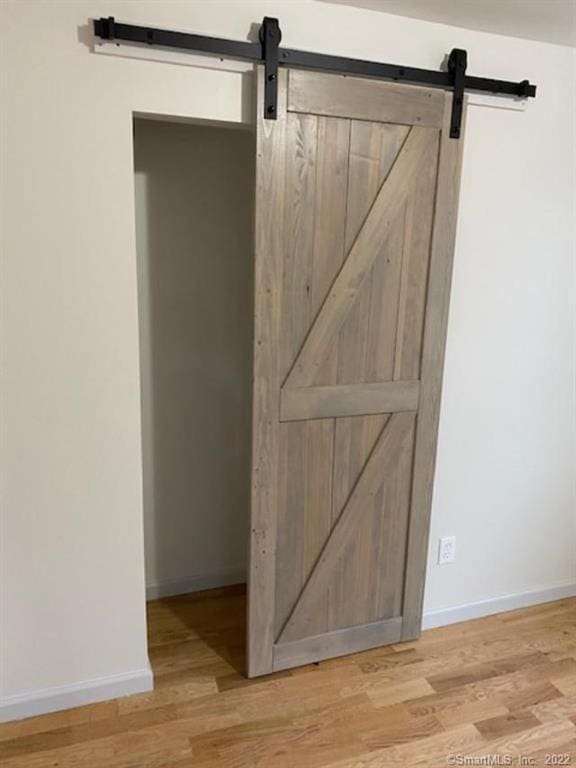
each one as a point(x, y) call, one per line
point(504, 685)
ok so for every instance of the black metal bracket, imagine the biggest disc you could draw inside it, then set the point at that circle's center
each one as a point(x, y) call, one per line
point(268, 52)
point(457, 63)
point(104, 28)
point(270, 37)
point(525, 89)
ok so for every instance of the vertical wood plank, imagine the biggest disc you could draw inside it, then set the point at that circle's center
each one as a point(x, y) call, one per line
point(363, 183)
point(384, 298)
point(299, 218)
point(329, 223)
point(269, 244)
point(384, 280)
point(329, 206)
point(296, 316)
point(436, 322)
point(412, 297)
point(291, 519)
point(329, 230)
point(318, 510)
point(392, 536)
point(355, 439)
point(304, 511)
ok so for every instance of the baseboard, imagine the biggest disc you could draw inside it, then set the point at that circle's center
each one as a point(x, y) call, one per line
point(196, 583)
point(76, 695)
point(444, 616)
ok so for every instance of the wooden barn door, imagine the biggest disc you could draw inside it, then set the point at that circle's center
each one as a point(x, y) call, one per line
point(357, 185)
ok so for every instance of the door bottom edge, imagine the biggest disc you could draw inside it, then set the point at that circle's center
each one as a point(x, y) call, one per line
point(339, 642)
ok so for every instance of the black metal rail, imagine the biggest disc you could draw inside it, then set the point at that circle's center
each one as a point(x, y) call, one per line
point(269, 53)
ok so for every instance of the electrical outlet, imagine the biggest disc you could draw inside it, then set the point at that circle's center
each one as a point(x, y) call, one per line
point(446, 550)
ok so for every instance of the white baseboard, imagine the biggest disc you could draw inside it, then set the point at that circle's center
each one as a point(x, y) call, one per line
point(444, 616)
point(76, 695)
point(196, 583)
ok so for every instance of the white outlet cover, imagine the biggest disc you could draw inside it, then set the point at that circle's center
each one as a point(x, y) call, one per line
point(446, 550)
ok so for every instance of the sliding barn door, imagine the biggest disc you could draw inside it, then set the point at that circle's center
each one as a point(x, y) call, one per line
point(357, 184)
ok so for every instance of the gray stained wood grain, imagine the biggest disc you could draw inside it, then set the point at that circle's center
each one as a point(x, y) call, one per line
point(348, 400)
point(432, 365)
point(355, 297)
point(374, 100)
point(390, 444)
point(269, 244)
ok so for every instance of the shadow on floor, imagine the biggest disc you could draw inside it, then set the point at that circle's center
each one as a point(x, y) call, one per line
point(204, 630)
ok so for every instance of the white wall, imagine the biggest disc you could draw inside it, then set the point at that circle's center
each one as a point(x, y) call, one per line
point(194, 220)
point(73, 566)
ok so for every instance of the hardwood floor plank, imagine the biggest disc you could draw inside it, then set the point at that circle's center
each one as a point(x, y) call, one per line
point(503, 725)
point(470, 712)
point(402, 732)
point(548, 736)
point(555, 709)
point(447, 680)
point(566, 684)
point(567, 751)
point(55, 720)
point(383, 693)
point(433, 750)
point(202, 686)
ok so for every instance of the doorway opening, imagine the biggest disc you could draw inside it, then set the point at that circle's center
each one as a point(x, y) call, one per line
point(194, 201)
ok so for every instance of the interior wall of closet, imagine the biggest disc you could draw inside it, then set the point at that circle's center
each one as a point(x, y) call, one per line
point(194, 197)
